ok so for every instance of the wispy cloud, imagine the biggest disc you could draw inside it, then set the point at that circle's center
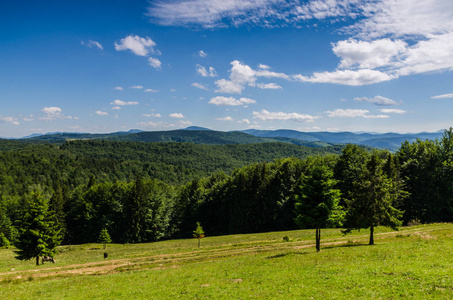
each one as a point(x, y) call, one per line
point(231, 101)
point(392, 111)
point(139, 87)
point(200, 86)
point(177, 116)
point(378, 100)
point(12, 120)
point(123, 103)
point(102, 113)
point(353, 113)
point(445, 96)
point(92, 44)
point(119, 88)
point(227, 118)
point(265, 115)
point(201, 53)
point(151, 91)
point(210, 72)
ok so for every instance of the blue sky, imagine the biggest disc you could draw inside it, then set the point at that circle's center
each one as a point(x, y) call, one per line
point(321, 65)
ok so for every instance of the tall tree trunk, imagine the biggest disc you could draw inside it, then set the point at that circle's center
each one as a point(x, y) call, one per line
point(37, 260)
point(318, 239)
point(372, 235)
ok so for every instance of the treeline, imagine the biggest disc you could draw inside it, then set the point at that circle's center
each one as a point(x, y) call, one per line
point(373, 187)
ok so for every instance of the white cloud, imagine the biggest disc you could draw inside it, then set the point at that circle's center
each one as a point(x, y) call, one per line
point(271, 86)
point(116, 107)
point(242, 75)
point(209, 13)
point(378, 100)
point(151, 90)
point(139, 87)
point(102, 113)
point(281, 116)
point(231, 101)
point(138, 45)
point(199, 85)
point(353, 113)
point(262, 66)
point(177, 115)
point(244, 121)
point(347, 77)
point(162, 125)
point(445, 96)
point(392, 111)
point(227, 118)
point(123, 103)
point(201, 53)
point(12, 120)
point(119, 88)
point(153, 115)
point(54, 113)
point(206, 73)
point(154, 62)
point(92, 44)
point(368, 55)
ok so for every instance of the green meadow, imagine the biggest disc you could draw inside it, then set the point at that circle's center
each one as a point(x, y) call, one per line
point(412, 263)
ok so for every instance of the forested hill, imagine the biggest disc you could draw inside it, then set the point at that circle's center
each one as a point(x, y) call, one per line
point(74, 162)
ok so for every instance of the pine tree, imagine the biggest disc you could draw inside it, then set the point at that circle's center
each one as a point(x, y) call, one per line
point(104, 237)
point(317, 205)
point(38, 235)
point(198, 233)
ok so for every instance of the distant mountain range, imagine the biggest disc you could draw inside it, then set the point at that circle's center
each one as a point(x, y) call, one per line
point(200, 135)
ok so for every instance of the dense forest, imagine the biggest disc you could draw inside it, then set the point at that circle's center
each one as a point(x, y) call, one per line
point(141, 192)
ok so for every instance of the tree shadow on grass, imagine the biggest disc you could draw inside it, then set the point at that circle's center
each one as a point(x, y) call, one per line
point(345, 246)
point(286, 254)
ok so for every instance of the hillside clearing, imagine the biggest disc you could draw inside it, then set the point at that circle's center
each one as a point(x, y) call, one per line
point(414, 262)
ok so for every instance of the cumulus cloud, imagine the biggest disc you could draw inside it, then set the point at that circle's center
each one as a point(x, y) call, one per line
point(281, 116)
point(102, 113)
point(368, 55)
point(199, 85)
point(353, 113)
point(227, 118)
point(210, 72)
point(119, 88)
point(242, 75)
point(154, 62)
point(54, 113)
point(201, 53)
point(378, 100)
point(138, 45)
point(12, 120)
point(177, 115)
point(123, 103)
point(151, 91)
point(244, 121)
point(445, 96)
point(230, 101)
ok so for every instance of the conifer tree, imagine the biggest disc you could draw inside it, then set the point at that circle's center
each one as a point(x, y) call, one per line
point(198, 233)
point(317, 205)
point(104, 237)
point(38, 235)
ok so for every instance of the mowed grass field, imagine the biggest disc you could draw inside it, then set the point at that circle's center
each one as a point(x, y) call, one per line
point(412, 263)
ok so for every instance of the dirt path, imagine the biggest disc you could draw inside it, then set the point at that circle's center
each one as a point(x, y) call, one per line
point(174, 260)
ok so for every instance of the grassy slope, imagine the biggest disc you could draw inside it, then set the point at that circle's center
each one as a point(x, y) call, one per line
point(414, 263)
